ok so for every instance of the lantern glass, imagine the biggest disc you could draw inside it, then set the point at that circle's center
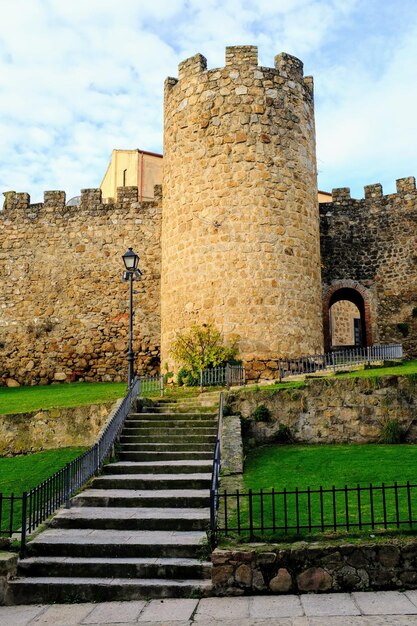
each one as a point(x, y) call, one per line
point(131, 260)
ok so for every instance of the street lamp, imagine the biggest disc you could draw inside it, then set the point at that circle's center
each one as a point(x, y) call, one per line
point(131, 261)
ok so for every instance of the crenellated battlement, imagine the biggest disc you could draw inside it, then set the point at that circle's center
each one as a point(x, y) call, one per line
point(91, 201)
point(241, 66)
point(374, 192)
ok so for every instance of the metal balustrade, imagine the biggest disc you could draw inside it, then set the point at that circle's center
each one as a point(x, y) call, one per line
point(43, 500)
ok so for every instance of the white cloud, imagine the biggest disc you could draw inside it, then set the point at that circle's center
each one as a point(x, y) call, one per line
point(82, 77)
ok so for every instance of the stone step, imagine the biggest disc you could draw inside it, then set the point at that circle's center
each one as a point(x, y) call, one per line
point(132, 518)
point(128, 567)
point(167, 437)
point(162, 416)
point(152, 481)
point(65, 590)
point(168, 498)
point(168, 429)
point(164, 456)
point(87, 542)
point(180, 408)
point(155, 467)
point(168, 447)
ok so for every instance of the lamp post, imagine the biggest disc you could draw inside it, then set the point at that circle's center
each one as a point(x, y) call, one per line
point(131, 261)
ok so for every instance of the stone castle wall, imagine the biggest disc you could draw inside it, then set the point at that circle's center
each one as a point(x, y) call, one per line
point(64, 308)
point(371, 245)
point(240, 229)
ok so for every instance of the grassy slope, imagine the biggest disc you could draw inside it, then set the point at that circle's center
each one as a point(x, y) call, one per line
point(21, 473)
point(314, 465)
point(326, 466)
point(407, 368)
point(23, 399)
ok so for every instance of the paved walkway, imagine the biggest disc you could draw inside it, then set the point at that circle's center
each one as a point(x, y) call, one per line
point(383, 608)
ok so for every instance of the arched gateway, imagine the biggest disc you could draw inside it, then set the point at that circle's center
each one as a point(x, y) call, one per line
point(346, 316)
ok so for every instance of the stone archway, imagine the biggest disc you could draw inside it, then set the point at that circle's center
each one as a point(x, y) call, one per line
point(353, 292)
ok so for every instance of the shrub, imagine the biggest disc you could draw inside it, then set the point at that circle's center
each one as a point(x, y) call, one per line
point(181, 376)
point(403, 328)
point(202, 347)
point(284, 434)
point(392, 431)
point(261, 413)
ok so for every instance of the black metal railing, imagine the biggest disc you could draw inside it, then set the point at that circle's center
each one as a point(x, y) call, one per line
point(44, 499)
point(339, 359)
point(226, 375)
point(152, 384)
point(214, 486)
point(10, 514)
point(261, 514)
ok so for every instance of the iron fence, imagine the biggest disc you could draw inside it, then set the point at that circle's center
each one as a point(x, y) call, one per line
point(214, 486)
point(23, 514)
point(259, 515)
point(225, 375)
point(339, 359)
point(10, 514)
point(152, 384)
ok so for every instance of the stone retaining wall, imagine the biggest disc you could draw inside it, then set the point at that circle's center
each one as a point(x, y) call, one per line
point(24, 433)
point(8, 568)
point(332, 410)
point(304, 568)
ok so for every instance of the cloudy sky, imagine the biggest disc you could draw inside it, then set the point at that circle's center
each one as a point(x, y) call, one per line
point(80, 77)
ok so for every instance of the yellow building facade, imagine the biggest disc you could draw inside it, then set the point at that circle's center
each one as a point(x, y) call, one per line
point(132, 168)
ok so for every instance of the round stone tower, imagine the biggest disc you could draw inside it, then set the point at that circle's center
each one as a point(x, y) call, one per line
point(240, 225)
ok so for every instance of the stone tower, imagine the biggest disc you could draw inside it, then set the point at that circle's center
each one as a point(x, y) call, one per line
point(240, 225)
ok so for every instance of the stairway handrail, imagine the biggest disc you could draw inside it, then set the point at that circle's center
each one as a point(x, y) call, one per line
point(214, 486)
point(44, 499)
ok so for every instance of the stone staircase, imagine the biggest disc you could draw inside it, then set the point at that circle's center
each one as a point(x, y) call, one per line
point(139, 530)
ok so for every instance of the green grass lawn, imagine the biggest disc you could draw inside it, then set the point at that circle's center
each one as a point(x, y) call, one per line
point(22, 473)
point(407, 368)
point(307, 468)
point(24, 399)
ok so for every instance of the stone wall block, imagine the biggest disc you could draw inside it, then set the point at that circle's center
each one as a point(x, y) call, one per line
point(373, 191)
point(314, 579)
point(289, 66)
point(340, 194)
point(242, 55)
point(406, 185)
point(127, 194)
point(192, 66)
point(54, 200)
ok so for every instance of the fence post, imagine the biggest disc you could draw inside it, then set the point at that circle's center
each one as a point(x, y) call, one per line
point(333, 362)
point(228, 375)
point(368, 355)
point(67, 486)
point(162, 385)
point(279, 371)
point(201, 381)
point(22, 550)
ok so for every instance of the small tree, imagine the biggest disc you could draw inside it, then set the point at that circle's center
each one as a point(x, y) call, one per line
point(201, 347)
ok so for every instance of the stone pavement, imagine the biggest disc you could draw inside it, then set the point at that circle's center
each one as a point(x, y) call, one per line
point(382, 608)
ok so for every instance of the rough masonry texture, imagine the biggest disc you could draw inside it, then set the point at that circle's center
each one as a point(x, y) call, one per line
point(235, 239)
point(316, 567)
point(345, 411)
point(240, 228)
point(46, 429)
point(64, 307)
point(369, 251)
